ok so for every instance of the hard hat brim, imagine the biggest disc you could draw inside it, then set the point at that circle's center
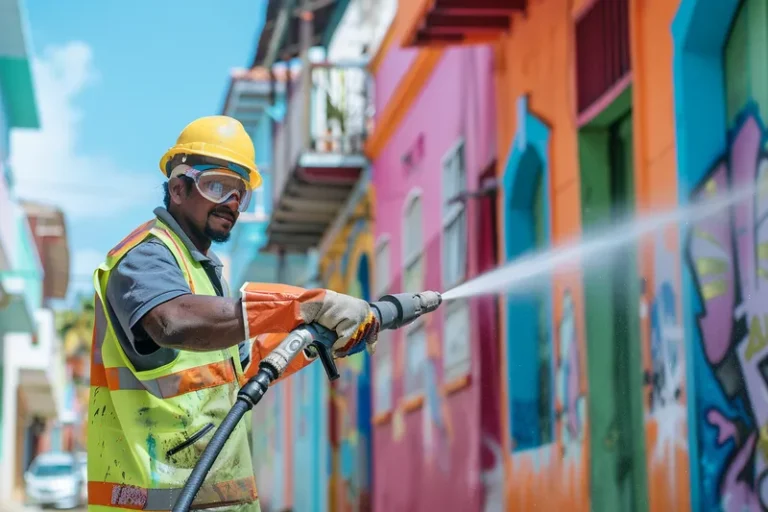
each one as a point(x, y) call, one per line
point(213, 151)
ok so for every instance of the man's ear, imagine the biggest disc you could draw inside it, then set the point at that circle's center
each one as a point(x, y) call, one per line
point(178, 190)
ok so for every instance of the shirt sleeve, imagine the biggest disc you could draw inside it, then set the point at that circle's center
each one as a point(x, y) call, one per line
point(146, 277)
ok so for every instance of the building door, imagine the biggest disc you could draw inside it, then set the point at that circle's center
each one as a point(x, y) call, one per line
point(611, 298)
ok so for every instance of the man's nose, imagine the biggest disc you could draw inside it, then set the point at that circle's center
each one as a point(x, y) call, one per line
point(233, 202)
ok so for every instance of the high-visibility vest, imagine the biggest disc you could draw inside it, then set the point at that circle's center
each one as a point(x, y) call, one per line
point(147, 429)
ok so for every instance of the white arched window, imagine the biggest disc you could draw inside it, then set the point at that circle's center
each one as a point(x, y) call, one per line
point(413, 281)
point(454, 217)
point(456, 340)
point(413, 245)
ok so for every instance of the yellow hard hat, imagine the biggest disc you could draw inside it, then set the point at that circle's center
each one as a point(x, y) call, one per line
point(219, 137)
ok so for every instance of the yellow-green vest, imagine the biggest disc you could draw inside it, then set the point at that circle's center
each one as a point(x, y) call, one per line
point(147, 429)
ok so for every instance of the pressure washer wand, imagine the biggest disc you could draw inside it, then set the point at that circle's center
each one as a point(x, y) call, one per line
point(392, 311)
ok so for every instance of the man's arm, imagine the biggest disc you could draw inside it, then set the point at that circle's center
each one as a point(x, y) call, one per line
point(151, 299)
point(196, 322)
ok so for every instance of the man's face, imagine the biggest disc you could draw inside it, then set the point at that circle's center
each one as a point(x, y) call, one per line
point(208, 219)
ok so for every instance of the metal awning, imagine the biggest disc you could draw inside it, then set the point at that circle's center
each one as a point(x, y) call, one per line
point(449, 22)
point(50, 233)
point(37, 390)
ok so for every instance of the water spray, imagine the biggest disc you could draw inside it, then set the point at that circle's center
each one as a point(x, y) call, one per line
point(525, 272)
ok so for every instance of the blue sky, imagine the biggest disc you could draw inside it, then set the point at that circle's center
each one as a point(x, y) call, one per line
point(115, 85)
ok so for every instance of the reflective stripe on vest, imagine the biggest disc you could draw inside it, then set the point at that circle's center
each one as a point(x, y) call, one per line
point(137, 498)
point(148, 427)
point(168, 386)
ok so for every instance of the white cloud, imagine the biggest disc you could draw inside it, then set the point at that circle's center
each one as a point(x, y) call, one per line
point(48, 164)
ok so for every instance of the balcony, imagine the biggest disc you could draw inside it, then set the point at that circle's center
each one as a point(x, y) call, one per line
point(23, 282)
point(318, 153)
point(455, 22)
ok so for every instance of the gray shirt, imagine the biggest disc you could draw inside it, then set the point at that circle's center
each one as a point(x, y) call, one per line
point(147, 276)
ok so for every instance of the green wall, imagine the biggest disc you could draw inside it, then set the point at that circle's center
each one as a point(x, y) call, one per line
point(618, 476)
point(746, 59)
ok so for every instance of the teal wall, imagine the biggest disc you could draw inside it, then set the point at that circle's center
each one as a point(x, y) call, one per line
point(527, 228)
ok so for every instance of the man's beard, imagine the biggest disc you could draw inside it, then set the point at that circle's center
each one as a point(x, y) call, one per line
point(216, 236)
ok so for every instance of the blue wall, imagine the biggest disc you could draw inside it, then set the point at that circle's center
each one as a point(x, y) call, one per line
point(311, 453)
point(528, 162)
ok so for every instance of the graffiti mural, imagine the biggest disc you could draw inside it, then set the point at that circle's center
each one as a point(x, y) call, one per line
point(667, 372)
point(572, 411)
point(352, 397)
point(728, 255)
point(666, 426)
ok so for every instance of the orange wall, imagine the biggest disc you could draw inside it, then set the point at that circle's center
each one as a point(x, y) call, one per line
point(537, 59)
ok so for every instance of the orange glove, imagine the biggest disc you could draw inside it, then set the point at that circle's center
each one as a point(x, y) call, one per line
point(277, 308)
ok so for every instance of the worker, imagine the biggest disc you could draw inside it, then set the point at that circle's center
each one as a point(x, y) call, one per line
point(171, 348)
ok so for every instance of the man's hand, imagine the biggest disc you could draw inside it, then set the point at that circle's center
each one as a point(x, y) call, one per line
point(352, 319)
point(270, 308)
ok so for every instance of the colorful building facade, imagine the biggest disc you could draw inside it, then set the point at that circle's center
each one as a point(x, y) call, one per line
point(594, 392)
point(436, 439)
point(628, 379)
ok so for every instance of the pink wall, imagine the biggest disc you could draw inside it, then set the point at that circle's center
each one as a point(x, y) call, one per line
point(457, 101)
point(392, 68)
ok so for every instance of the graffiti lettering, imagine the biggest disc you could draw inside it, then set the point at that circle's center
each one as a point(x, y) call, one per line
point(728, 255)
point(757, 338)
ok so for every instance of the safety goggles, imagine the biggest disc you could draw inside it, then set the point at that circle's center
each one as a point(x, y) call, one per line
point(216, 183)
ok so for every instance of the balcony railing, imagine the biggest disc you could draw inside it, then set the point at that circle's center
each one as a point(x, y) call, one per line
point(328, 116)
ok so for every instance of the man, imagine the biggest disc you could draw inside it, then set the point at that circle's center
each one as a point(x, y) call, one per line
point(171, 348)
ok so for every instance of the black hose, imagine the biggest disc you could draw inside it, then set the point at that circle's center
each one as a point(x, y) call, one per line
point(209, 455)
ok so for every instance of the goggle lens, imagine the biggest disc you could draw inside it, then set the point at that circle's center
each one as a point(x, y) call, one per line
point(219, 185)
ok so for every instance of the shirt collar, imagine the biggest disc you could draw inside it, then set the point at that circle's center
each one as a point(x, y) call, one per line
point(165, 216)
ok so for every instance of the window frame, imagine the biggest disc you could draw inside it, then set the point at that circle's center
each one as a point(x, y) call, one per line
point(456, 212)
point(457, 379)
point(414, 398)
point(415, 196)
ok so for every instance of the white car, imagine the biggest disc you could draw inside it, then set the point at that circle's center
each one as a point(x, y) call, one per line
point(54, 479)
point(82, 459)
